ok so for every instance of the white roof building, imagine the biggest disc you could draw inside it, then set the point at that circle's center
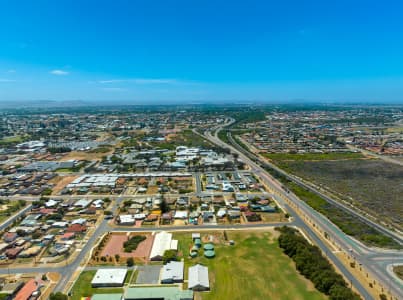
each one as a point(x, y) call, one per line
point(60, 224)
point(109, 278)
point(80, 221)
point(82, 203)
point(51, 203)
point(179, 214)
point(126, 220)
point(162, 242)
point(198, 278)
point(172, 272)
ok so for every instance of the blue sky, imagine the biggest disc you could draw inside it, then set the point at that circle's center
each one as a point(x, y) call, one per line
point(147, 50)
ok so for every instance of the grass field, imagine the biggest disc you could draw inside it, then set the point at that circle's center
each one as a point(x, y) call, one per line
point(255, 268)
point(184, 138)
point(279, 157)
point(82, 287)
point(11, 140)
point(373, 185)
point(348, 223)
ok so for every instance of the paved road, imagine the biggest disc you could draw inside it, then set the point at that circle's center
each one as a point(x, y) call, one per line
point(199, 188)
point(10, 220)
point(375, 264)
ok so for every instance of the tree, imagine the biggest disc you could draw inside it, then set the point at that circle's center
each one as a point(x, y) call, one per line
point(47, 192)
point(383, 297)
point(130, 262)
point(338, 292)
point(36, 235)
point(22, 202)
point(169, 255)
point(21, 232)
point(58, 296)
point(117, 257)
point(164, 206)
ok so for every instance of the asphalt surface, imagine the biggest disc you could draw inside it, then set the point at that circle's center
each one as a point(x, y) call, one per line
point(10, 220)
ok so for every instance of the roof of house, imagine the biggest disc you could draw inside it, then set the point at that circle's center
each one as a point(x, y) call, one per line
point(76, 228)
point(198, 276)
point(67, 235)
point(109, 276)
point(173, 271)
point(27, 290)
point(162, 242)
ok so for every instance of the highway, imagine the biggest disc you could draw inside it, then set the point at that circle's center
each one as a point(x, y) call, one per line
point(375, 261)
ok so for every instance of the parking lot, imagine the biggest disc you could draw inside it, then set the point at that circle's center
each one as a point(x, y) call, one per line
point(148, 274)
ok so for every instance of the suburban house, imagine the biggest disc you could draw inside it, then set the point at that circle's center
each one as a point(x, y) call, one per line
point(198, 278)
point(163, 241)
point(172, 272)
point(30, 290)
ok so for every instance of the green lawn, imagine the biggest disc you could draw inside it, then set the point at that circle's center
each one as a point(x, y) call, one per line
point(11, 140)
point(82, 287)
point(255, 268)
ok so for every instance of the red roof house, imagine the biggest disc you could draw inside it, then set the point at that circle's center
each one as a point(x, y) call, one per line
point(28, 289)
point(76, 228)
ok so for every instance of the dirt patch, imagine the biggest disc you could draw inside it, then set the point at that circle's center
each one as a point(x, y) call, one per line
point(81, 155)
point(53, 276)
point(61, 184)
point(115, 246)
point(151, 190)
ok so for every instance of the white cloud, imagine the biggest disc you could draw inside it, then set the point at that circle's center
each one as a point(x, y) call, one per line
point(114, 89)
point(11, 71)
point(140, 81)
point(59, 72)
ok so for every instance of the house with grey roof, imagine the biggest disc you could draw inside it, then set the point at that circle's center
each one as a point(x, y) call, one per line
point(172, 272)
point(198, 278)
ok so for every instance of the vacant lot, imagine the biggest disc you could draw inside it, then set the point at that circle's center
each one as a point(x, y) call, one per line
point(347, 222)
point(254, 268)
point(374, 185)
point(280, 157)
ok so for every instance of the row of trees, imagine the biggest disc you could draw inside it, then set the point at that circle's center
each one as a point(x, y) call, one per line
point(310, 263)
